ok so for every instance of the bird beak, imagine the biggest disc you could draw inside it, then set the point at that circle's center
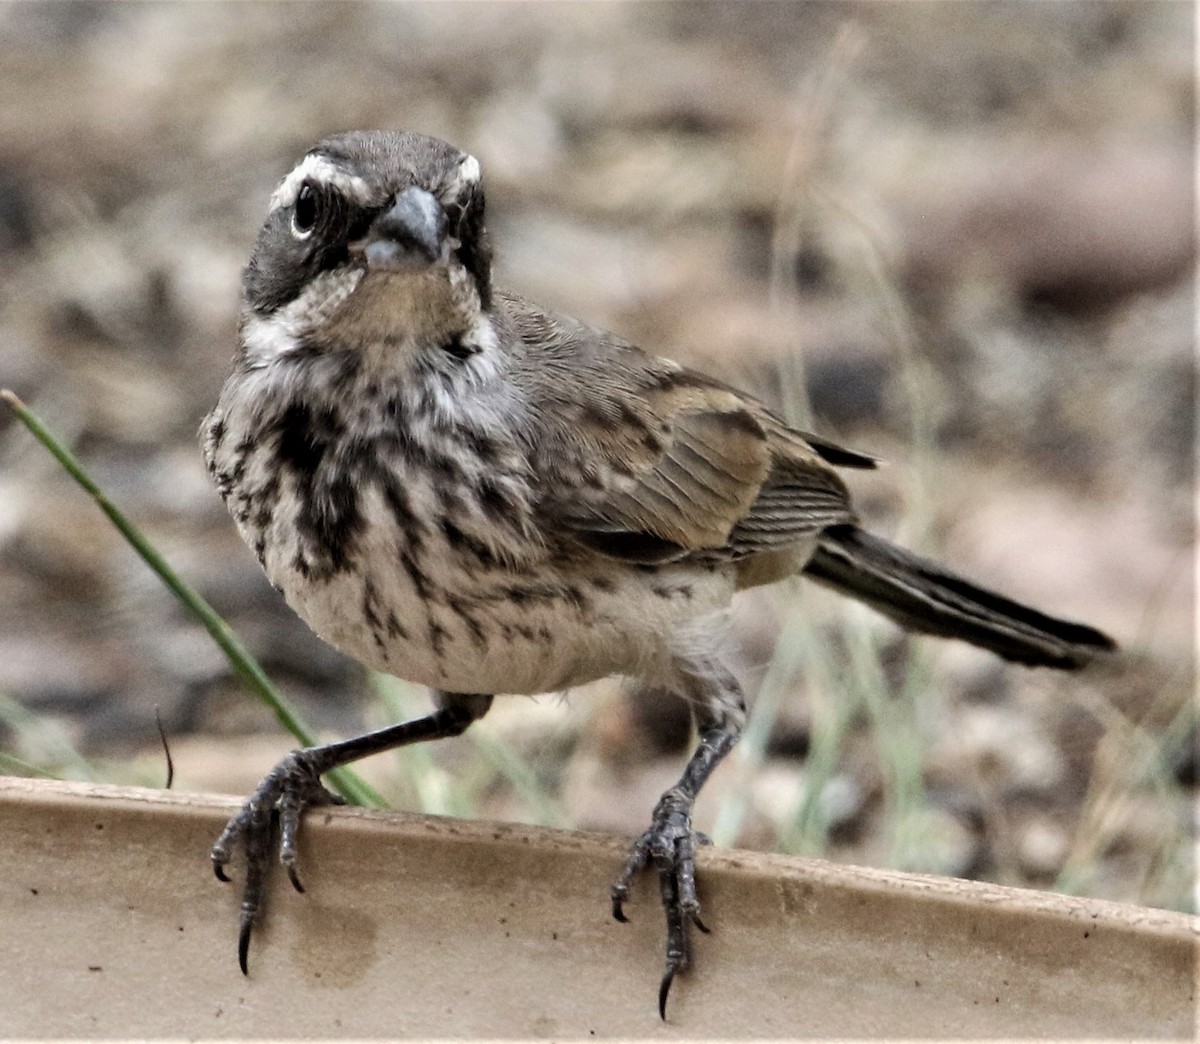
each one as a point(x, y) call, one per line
point(412, 233)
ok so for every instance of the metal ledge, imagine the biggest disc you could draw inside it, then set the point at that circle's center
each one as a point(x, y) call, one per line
point(113, 926)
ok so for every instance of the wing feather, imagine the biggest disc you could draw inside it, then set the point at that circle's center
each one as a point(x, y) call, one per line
point(649, 462)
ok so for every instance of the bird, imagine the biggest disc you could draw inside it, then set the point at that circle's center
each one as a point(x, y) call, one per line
point(454, 485)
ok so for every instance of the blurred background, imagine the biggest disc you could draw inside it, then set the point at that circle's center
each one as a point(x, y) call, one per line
point(959, 236)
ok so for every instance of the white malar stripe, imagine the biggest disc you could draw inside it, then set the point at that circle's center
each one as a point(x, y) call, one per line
point(267, 337)
point(320, 169)
point(271, 336)
point(481, 334)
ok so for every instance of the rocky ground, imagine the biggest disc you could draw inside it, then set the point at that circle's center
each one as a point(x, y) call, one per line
point(959, 236)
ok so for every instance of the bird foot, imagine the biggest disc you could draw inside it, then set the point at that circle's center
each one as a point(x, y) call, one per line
point(291, 787)
point(669, 844)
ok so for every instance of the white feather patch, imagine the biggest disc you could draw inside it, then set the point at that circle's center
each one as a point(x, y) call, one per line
point(270, 336)
point(468, 169)
point(267, 337)
point(323, 171)
point(481, 334)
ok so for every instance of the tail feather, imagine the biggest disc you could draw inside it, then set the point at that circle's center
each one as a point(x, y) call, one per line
point(921, 596)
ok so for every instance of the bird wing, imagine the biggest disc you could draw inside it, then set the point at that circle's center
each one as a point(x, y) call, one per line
point(650, 462)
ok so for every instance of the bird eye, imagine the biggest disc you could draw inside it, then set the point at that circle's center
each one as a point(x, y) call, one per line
point(304, 213)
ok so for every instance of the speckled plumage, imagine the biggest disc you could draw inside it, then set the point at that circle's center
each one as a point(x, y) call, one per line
point(456, 486)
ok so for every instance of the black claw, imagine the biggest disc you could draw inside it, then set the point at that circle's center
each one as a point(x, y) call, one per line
point(663, 990)
point(270, 817)
point(618, 912)
point(244, 942)
point(700, 924)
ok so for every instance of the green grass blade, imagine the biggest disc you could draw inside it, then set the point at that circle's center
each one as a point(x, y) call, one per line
point(345, 782)
point(44, 736)
point(16, 767)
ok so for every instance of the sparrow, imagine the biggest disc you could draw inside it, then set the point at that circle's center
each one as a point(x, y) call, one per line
point(456, 486)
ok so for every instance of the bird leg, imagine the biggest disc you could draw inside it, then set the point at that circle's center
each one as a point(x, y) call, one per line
point(669, 843)
point(295, 784)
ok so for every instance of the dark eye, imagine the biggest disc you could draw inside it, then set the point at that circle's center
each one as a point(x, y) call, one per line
point(304, 214)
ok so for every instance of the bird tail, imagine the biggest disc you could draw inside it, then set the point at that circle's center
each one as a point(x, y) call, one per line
point(921, 596)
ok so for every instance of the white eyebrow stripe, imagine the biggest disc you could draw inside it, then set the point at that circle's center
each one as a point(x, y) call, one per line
point(466, 173)
point(468, 169)
point(323, 171)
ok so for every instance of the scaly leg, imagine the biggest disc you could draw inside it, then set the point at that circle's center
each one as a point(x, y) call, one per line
point(295, 784)
point(719, 711)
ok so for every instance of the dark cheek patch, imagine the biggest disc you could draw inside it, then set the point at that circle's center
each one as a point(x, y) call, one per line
point(282, 265)
point(277, 270)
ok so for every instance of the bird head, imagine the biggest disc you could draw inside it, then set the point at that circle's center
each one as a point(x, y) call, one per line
point(373, 238)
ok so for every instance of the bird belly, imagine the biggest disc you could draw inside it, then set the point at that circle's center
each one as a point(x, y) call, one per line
point(508, 632)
